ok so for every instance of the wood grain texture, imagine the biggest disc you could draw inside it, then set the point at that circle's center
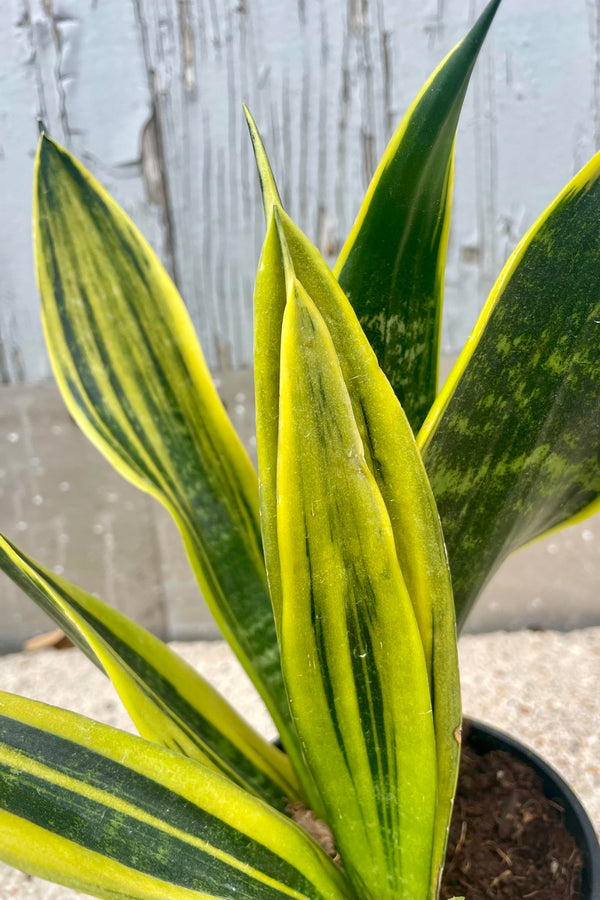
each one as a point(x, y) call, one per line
point(148, 94)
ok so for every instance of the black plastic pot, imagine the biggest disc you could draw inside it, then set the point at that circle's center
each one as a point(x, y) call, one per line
point(483, 738)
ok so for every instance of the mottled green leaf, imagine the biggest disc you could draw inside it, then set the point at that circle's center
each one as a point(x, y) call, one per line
point(392, 264)
point(170, 703)
point(512, 444)
point(352, 655)
point(113, 815)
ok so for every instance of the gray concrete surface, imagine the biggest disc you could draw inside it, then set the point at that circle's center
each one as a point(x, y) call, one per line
point(64, 504)
point(539, 686)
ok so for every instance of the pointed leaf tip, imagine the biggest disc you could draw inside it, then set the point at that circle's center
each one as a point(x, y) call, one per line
point(48, 153)
point(391, 267)
point(47, 142)
point(482, 25)
point(103, 290)
point(528, 462)
point(268, 186)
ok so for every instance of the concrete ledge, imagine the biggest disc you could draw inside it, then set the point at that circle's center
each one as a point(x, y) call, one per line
point(64, 504)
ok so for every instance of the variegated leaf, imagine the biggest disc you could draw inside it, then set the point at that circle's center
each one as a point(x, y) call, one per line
point(269, 303)
point(390, 449)
point(391, 455)
point(392, 264)
point(113, 815)
point(512, 444)
point(169, 702)
point(133, 376)
point(353, 660)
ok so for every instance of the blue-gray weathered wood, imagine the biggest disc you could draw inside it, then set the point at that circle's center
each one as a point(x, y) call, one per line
point(148, 93)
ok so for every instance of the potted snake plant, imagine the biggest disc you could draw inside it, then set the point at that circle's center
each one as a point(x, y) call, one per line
point(339, 574)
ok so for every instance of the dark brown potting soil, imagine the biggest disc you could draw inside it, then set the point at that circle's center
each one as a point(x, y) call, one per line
point(507, 840)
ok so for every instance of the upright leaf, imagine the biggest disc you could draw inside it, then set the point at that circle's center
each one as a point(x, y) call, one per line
point(392, 264)
point(353, 661)
point(269, 303)
point(132, 374)
point(512, 444)
point(169, 702)
point(390, 448)
point(395, 463)
point(99, 810)
point(391, 455)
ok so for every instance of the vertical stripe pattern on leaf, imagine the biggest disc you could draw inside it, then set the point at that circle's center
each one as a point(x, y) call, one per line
point(391, 455)
point(116, 816)
point(132, 374)
point(351, 651)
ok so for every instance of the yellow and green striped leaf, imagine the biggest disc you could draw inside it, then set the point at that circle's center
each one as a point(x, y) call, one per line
point(391, 454)
point(512, 444)
point(99, 810)
point(392, 264)
point(169, 702)
point(269, 303)
point(133, 376)
point(390, 448)
point(352, 656)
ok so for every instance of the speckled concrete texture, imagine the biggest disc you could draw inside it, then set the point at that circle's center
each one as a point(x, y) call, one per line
point(539, 686)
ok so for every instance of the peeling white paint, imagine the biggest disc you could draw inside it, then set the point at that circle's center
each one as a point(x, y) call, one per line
point(148, 94)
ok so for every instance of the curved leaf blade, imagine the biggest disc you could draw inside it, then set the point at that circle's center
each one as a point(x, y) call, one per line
point(268, 187)
point(512, 444)
point(169, 702)
point(352, 656)
point(116, 816)
point(132, 374)
point(392, 264)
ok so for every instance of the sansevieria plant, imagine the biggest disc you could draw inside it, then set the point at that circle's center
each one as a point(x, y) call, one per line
point(328, 574)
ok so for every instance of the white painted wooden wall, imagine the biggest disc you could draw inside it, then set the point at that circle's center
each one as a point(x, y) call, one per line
point(148, 94)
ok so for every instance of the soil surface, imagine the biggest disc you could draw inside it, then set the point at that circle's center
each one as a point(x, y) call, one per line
point(507, 840)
